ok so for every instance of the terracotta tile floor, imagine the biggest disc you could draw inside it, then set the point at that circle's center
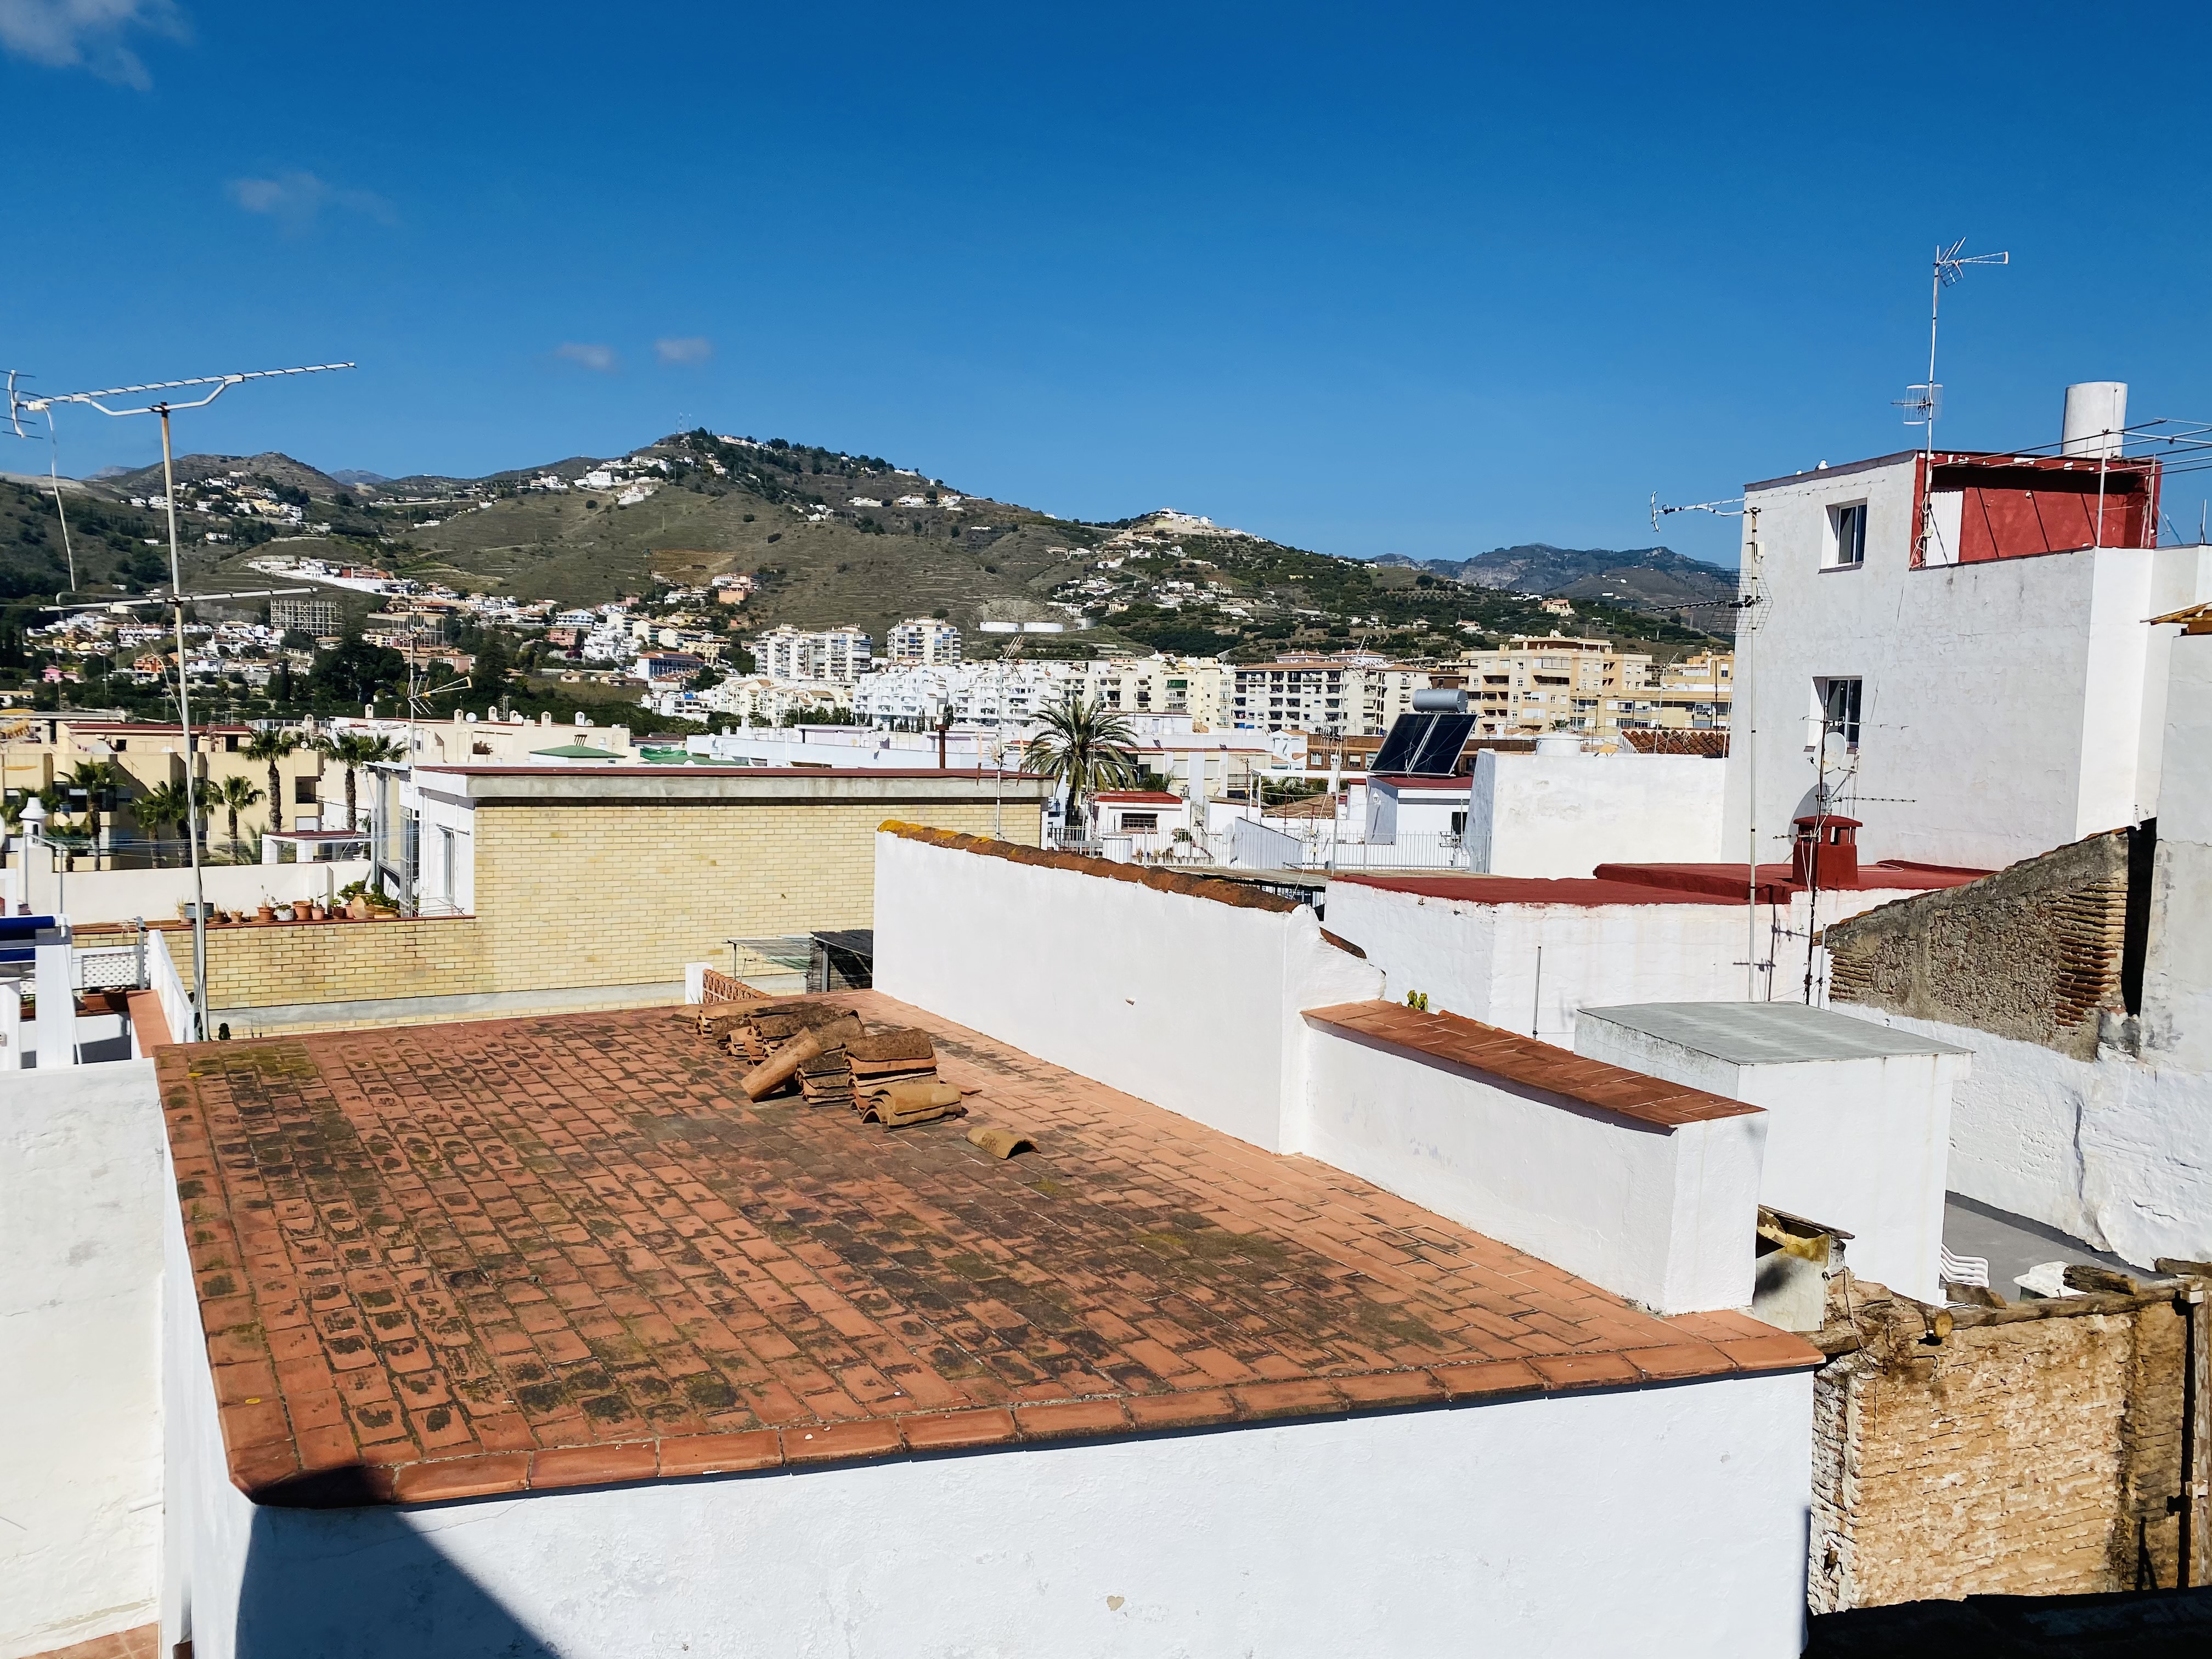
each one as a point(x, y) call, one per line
point(436, 1262)
point(140, 1644)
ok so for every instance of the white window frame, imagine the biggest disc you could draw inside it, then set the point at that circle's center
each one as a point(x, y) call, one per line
point(1842, 550)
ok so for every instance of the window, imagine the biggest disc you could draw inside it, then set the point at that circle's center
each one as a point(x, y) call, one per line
point(1838, 703)
point(303, 790)
point(1140, 823)
point(1846, 547)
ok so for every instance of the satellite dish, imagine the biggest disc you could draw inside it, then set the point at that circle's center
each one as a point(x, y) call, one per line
point(1837, 755)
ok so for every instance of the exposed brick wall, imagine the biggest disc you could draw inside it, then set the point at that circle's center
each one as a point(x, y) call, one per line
point(2029, 1455)
point(589, 896)
point(2032, 952)
point(273, 965)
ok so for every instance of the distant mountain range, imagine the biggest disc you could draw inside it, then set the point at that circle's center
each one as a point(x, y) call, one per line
point(834, 537)
point(1642, 578)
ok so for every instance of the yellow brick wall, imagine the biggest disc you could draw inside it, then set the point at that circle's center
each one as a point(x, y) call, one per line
point(589, 896)
point(628, 895)
point(273, 966)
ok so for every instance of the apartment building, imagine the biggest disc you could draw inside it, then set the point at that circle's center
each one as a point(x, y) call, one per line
point(1196, 686)
point(842, 654)
point(1335, 696)
point(1552, 683)
point(928, 640)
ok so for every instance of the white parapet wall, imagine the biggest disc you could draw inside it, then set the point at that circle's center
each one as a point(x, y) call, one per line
point(155, 895)
point(83, 1195)
point(1154, 983)
point(1664, 1213)
point(1858, 1115)
point(1563, 815)
point(1289, 1540)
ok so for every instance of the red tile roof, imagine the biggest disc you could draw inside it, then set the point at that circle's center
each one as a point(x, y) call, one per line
point(1728, 881)
point(1132, 797)
point(1236, 893)
point(438, 1261)
point(1525, 1059)
point(1526, 890)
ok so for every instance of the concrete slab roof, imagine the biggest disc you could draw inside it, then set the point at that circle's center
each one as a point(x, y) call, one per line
point(1769, 1033)
point(444, 1261)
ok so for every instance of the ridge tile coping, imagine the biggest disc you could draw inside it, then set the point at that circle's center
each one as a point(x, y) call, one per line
point(1769, 1033)
point(507, 1256)
point(1531, 1063)
point(1144, 875)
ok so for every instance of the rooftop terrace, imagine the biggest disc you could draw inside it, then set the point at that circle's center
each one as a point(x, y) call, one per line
point(442, 1262)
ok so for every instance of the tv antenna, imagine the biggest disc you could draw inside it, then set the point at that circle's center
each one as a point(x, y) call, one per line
point(1925, 401)
point(176, 599)
point(1750, 599)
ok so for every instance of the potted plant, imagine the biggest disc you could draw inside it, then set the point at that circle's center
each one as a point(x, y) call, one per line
point(316, 912)
point(265, 914)
point(286, 913)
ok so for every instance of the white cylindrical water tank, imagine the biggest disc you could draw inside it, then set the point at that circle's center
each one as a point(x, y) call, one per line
point(1559, 743)
point(2096, 415)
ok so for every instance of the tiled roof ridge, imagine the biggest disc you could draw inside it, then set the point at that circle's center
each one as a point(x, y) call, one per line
point(1710, 1346)
point(1531, 1061)
point(1166, 881)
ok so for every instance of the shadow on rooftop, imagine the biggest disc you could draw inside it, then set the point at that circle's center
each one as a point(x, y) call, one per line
point(370, 1583)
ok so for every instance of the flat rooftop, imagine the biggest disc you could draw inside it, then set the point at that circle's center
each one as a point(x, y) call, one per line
point(444, 1261)
point(1769, 1033)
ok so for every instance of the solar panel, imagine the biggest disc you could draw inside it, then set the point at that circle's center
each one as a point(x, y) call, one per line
point(1423, 745)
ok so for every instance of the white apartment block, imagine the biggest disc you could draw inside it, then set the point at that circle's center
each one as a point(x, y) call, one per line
point(988, 694)
point(928, 640)
point(1337, 697)
point(760, 698)
point(841, 654)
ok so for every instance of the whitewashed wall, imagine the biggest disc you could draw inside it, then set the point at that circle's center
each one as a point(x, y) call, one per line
point(1863, 1145)
point(1563, 815)
point(154, 895)
point(1530, 967)
point(1664, 1217)
point(1495, 1530)
point(2113, 1151)
point(2177, 1012)
point(81, 1197)
point(1179, 1000)
point(2010, 706)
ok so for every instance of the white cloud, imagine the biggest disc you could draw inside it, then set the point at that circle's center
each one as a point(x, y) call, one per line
point(600, 359)
point(294, 197)
point(684, 349)
point(87, 34)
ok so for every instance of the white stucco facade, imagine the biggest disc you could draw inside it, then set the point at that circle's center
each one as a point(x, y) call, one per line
point(1563, 815)
point(1184, 1001)
point(1664, 1216)
point(2007, 707)
point(1528, 966)
point(81, 1197)
point(1859, 1142)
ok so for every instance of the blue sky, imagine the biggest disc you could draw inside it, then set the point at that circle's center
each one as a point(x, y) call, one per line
point(1417, 280)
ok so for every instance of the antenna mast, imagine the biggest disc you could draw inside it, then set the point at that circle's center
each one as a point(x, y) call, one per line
point(1923, 404)
point(18, 406)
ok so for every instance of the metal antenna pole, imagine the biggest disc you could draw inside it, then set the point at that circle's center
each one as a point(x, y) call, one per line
point(1949, 267)
point(54, 476)
point(220, 383)
point(185, 724)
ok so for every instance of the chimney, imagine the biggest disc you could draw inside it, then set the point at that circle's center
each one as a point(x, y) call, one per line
point(2096, 414)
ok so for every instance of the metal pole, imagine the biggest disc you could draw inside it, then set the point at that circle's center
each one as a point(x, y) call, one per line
point(1743, 695)
point(184, 723)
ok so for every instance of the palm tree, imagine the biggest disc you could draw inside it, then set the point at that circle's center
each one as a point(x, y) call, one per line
point(1085, 746)
point(270, 746)
point(164, 804)
point(94, 777)
point(353, 751)
point(232, 794)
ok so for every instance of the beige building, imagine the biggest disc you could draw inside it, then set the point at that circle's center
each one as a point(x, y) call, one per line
point(1534, 683)
point(1346, 696)
point(546, 887)
point(39, 751)
point(1159, 684)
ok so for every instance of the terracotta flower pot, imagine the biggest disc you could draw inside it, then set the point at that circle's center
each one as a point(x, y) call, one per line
point(266, 913)
point(316, 912)
point(358, 909)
